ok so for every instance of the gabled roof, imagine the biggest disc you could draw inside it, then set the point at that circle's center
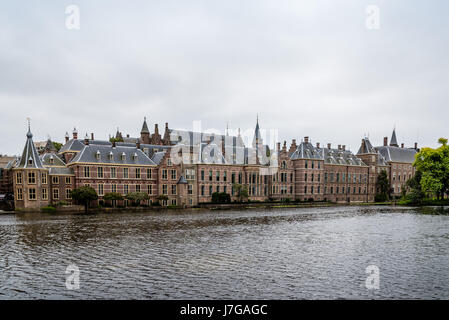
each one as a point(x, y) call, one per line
point(49, 146)
point(182, 180)
point(30, 157)
point(396, 154)
point(73, 145)
point(52, 159)
point(112, 155)
point(366, 147)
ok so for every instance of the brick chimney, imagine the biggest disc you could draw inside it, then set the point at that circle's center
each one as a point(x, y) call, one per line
point(402, 145)
point(86, 140)
point(284, 146)
point(328, 145)
point(318, 145)
point(138, 144)
point(339, 147)
point(416, 145)
point(343, 147)
point(278, 146)
point(92, 136)
point(66, 137)
point(306, 139)
point(363, 145)
point(156, 128)
point(293, 146)
point(385, 141)
point(75, 134)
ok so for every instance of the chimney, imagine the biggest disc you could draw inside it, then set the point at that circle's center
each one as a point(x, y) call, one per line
point(284, 147)
point(92, 136)
point(75, 134)
point(385, 141)
point(363, 145)
point(339, 147)
point(66, 137)
point(138, 144)
point(278, 146)
point(328, 145)
point(127, 135)
point(343, 147)
point(318, 145)
point(306, 139)
point(416, 145)
point(156, 129)
point(86, 140)
point(292, 146)
point(402, 145)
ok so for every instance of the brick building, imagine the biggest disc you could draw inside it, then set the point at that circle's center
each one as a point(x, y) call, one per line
point(187, 167)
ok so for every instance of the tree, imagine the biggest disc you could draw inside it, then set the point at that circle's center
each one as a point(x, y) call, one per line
point(112, 139)
point(241, 191)
point(415, 194)
point(221, 197)
point(112, 196)
point(382, 187)
point(162, 198)
point(57, 145)
point(84, 195)
point(434, 165)
point(137, 197)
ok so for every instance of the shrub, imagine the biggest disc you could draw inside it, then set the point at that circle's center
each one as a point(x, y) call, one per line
point(380, 197)
point(48, 209)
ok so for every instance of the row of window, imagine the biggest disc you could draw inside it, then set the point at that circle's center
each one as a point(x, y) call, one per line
point(341, 177)
point(113, 173)
point(33, 194)
point(32, 178)
point(404, 175)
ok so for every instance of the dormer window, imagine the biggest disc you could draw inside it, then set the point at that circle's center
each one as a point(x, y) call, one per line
point(123, 156)
point(52, 160)
point(97, 155)
point(111, 155)
point(135, 156)
point(30, 160)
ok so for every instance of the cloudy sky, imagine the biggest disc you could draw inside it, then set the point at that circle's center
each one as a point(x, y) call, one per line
point(307, 68)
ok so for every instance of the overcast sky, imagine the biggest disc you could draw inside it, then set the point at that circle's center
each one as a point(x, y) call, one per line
point(307, 68)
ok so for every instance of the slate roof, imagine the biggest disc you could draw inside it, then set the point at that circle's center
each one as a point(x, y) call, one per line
point(112, 155)
point(194, 138)
point(61, 171)
point(330, 156)
point(46, 159)
point(397, 154)
point(73, 145)
point(157, 157)
point(30, 157)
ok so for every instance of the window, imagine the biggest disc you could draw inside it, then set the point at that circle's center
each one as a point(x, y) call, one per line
point(114, 188)
point(32, 194)
point(19, 177)
point(217, 176)
point(55, 180)
point(305, 177)
point(100, 189)
point(137, 187)
point(86, 172)
point(218, 188)
point(137, 173)
point(173, 202)
point(169, 162)
point(125, 189)
point(210, 190)
point(31, 177)
point(68, 180)
point(126, 173)
point(202, 190)
point(173, 189)
point(210, 175)
point(224, 176)
point(164, 174)
point(44, 178)
point(305, 189)
point(173, 174)
point(44, 194)
point(190, 174)
point(164, 189)
point(149, 175)
point(56, 194)
point(150, 189)
point(202, 175)
point(306, 164)
point(190, 189)
point(100, 172)
point(68, 193)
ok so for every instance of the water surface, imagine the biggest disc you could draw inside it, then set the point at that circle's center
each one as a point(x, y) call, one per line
point(289, 253)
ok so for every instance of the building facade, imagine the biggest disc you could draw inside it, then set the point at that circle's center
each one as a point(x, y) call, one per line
point(185, 168)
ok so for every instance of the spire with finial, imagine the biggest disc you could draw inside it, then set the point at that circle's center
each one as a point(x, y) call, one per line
point(394, 141)
point(227, 128)
point(145, 126)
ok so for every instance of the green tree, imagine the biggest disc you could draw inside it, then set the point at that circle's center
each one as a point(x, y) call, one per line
point(434, 165)
point(84, 195)
point(137, 197)
point(162, 198)
point(383, 189)
point(241, 191)
point(57, 145)
point(112, 196)
point(221, 197)
point(112, 140)
point(414, 189)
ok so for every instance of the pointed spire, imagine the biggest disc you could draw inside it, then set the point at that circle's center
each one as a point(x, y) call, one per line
point(227, 128)
point(30, 158)
point(257, 140)
point(144, 126)
point(394, 141)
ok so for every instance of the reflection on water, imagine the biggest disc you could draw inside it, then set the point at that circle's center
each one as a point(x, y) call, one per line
point(291, 253)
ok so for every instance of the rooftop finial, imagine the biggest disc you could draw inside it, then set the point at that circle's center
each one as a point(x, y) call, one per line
point(29, 134)
point(227, 128)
